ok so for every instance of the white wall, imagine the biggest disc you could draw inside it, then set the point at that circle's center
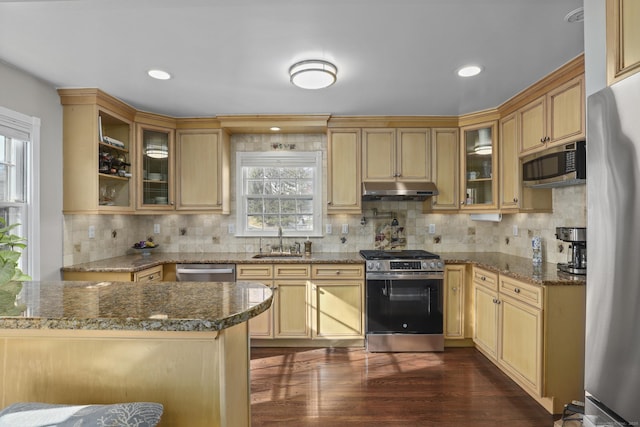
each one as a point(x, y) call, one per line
point(595, 51)
point(27, 95)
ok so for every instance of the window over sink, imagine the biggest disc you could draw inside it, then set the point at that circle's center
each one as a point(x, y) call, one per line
point(279, 189)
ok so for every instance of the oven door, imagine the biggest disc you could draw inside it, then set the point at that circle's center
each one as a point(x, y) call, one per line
point(404, 303)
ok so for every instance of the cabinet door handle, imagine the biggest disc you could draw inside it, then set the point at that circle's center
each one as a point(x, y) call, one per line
point(454, 289)
point(337, 272)
point(462, 202)
point(515, 200)
point(483, 278)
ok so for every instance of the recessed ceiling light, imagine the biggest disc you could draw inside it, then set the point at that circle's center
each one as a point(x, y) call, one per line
point(159, 74)
point(274, 128)
point(469, 71)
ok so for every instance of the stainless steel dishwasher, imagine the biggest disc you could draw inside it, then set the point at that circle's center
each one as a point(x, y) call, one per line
point(206, 272)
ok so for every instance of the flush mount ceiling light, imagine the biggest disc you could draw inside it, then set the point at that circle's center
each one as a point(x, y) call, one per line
point(156, 151)
point(274, 128)
point(313, 74)
point(483, 144)
point(159, 74)
point(469, 71)
point(576, 15)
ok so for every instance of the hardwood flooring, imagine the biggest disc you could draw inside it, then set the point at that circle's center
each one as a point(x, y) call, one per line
point(351, 387)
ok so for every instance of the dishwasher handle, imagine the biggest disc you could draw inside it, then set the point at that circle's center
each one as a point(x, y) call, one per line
point(204, 270)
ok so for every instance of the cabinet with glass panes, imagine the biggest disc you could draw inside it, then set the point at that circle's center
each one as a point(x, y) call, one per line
point(155, 167)
point(479, 174)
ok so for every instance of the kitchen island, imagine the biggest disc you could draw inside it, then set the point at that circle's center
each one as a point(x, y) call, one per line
point(182, 344)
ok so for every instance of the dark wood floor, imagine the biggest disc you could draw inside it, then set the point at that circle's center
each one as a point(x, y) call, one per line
point(350, 387)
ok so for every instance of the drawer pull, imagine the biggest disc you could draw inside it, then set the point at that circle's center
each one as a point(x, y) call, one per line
point(516, 290)
point(483, 278)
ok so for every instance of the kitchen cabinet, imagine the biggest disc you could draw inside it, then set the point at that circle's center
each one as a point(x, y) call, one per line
point(151, 274)
point(98, 135)
point(155, 167)
point(486, 312)
point(260, 326)
point(479, 167)
point(312, 303)
point(390, 154)
point(289, 315)
point(555, 118)
point(344, 188)
point(533, 333)
point(514, 196)
point(623, 39)
point(337, 301)
point(445, 168)
point(454, 301)
point(520, 332)
point(202, 170)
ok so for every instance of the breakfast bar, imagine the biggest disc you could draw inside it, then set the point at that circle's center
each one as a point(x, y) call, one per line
point(182, 344)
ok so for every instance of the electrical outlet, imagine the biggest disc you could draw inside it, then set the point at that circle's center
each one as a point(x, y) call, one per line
point(328, 229)
point(156, 228)
point(231, 228)
point(515, 230)
point(92, 231)
point(345, 228)
point(432, 229)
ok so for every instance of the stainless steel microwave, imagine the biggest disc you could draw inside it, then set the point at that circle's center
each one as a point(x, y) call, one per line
point(556, 167)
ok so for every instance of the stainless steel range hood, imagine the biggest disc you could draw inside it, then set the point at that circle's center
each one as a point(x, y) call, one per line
point(398, 190)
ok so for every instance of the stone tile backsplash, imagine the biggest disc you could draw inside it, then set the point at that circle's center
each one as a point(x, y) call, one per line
point(115, 234)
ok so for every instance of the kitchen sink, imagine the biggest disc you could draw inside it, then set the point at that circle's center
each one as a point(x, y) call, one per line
point(277, 255)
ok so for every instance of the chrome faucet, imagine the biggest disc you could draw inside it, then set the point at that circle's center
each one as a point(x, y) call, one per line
point(280, 237)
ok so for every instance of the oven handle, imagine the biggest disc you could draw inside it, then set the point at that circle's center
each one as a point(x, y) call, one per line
point(405, 276)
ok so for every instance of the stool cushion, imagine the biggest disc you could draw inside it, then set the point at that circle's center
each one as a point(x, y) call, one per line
point(32, 414)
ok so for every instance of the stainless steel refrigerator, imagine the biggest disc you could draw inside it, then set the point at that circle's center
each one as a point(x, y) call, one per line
point(612, 364)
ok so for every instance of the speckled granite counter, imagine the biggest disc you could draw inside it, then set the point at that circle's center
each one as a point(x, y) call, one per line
point(516, 267)
point(160, 306)
point(133, 263)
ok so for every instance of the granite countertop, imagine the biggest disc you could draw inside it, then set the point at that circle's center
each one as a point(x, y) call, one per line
point(133, 263)
point(155, 306)
point(516, 267)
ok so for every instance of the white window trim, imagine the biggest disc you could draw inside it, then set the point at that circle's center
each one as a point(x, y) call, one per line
point(20, 125)
point(253, 158)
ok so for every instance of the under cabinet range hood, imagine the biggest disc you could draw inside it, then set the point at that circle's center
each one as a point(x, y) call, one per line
point(394, 191)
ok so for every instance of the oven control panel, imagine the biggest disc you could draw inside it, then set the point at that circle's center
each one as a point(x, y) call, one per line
point(405, 265)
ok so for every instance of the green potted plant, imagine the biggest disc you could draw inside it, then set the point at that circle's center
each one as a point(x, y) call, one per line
point(11, 247)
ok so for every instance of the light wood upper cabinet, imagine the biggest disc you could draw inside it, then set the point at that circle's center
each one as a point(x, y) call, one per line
point(479, 167)
point(623, 39)
point(556, 118)
point(344, 189)
point(445, 143)
point(202, 170)
point(97, 173)
point(514, 196)
point(402, 154)
point(155, 167)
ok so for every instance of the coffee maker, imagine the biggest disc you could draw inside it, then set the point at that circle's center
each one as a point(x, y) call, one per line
point(577, 237)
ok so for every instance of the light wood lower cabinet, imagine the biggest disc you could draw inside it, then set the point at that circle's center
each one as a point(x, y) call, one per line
point(152, 274)
point(454, 301)
point(321, 302)
point(337, 303)
point(535, 334)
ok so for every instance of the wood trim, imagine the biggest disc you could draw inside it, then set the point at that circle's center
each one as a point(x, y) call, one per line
point(570, 70)
point(97, 97)
point(153, 119)
point(392, 121)
point(479, 117)
point(301, 123)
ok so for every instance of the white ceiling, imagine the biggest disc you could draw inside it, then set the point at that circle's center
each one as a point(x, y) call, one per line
point(394, 57)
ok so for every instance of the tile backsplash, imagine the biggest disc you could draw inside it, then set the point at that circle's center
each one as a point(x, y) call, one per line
point(115, 234)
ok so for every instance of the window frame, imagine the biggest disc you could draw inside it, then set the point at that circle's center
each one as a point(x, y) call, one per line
point(276, 159)
point(27, 128)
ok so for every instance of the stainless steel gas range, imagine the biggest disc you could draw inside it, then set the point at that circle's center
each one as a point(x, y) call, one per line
point(404, 300)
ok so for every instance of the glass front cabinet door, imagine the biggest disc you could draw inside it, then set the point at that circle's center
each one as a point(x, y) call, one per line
point(479, 189)
point(155, 168)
